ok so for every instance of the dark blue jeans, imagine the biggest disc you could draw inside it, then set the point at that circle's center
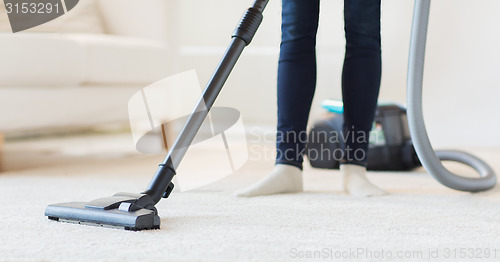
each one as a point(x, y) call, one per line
point(297, 77)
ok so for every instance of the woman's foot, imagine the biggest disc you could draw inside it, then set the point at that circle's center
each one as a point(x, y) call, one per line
point(283, 179)
point(356, 183)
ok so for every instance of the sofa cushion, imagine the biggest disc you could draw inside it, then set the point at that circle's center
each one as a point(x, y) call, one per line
point(144, 19)
point(34, 108)
point(115, 59)
point(40, 59)
point(47, 59)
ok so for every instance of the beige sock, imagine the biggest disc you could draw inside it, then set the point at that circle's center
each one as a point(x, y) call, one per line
point(356, 183)
point(283, 179)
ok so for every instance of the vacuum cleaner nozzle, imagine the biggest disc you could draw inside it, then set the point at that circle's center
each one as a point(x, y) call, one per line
point(123, 210)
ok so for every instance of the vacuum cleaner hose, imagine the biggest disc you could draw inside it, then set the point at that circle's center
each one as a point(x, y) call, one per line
point(432, 160)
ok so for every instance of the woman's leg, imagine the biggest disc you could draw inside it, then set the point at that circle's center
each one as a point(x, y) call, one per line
point(296, 85)
point(360, 88)
point(296, 78)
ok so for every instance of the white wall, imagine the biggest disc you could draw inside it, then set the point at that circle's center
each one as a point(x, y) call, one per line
point(461, 86)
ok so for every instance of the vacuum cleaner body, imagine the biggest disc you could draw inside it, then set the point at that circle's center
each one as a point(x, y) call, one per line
point(390, 145)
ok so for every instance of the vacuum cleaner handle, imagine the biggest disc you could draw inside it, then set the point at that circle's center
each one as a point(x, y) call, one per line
point(242, 36)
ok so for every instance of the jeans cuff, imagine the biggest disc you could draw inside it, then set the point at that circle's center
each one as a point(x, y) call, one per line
point(353, 162)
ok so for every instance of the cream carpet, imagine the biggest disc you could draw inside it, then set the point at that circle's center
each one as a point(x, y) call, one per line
point(419, 219)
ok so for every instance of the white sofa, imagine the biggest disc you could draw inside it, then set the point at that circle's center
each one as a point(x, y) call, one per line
point(83, 67)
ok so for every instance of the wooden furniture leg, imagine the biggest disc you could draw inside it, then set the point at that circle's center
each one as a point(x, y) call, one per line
point(1, 151)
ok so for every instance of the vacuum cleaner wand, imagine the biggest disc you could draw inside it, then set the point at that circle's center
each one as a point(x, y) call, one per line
point(137, 211)
point(242, 36)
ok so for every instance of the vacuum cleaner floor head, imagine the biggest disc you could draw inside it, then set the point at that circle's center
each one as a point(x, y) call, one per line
point(123, 210)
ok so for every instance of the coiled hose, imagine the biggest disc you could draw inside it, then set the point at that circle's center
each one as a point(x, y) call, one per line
point(430, 159)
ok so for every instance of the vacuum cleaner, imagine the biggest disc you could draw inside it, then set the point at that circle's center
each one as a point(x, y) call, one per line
point(136, 211)
point(390, 145)
point(403, 142)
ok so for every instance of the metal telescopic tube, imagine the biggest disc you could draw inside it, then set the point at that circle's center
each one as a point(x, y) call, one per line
point(166, 171)
point(241, 38)
point(190, 129)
